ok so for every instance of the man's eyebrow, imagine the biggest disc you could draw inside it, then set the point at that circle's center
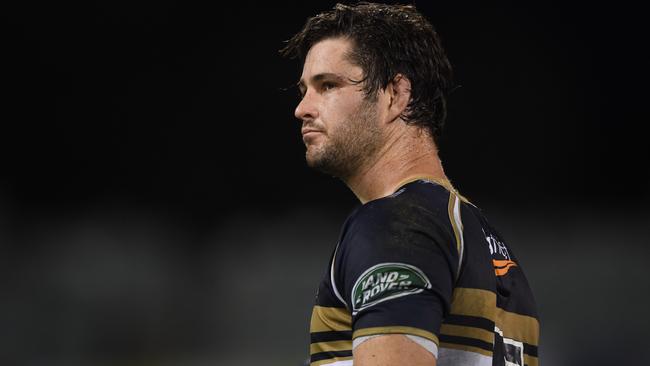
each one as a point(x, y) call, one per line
point(319, 77)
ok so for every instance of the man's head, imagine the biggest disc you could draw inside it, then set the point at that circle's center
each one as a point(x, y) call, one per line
point(388, 40)
point(340, 122)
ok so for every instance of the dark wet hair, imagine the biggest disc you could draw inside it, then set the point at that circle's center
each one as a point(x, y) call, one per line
point(387, 40)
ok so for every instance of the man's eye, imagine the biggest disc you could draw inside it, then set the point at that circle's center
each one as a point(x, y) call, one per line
point(328, 86)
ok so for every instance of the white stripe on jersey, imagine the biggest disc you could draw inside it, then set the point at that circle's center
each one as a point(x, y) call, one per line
point(456, 357)
point(336, 291)
point(459, 225)
point(339, 363)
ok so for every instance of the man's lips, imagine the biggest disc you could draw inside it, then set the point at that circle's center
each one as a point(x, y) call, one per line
point(309, 133)
point(310, 130)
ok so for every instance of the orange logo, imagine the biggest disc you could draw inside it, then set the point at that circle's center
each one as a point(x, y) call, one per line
point(501, 267)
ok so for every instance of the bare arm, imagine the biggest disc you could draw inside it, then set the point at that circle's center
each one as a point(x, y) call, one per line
point(392, 350)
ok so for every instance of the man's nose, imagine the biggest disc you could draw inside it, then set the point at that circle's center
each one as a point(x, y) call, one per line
point(306, 109)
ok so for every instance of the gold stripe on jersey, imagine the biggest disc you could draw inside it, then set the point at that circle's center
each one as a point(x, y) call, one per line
point(325, 319)
point(531, 360)
point(330, 360)
point(467, 332)
point(516, 326)
point(333, 346)
point(474, 302)
point(444, 182)
point(463, 347)
point(482, 303)
point(395, 330)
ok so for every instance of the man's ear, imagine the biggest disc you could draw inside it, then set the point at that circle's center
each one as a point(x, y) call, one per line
point(399, 93)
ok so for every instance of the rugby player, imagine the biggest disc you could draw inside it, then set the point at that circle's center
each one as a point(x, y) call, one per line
point(418, 276)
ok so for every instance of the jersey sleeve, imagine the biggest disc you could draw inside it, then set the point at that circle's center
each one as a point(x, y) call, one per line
point(396, 270)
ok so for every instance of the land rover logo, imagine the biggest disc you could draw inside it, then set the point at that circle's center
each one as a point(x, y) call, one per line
point(387, 281)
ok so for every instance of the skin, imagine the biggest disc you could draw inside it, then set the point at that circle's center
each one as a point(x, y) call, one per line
point(340, 127)
point(392, 350)
point(373, 153)
point(365, 142)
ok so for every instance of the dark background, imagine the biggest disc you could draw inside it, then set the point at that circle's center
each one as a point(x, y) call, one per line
point(155, 208)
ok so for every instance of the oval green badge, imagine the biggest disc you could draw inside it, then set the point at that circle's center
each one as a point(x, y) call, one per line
point(387, 281)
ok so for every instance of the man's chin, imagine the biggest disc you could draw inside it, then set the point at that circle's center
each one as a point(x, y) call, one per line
point(316, 162)
point(313, 156)
point(312, 162)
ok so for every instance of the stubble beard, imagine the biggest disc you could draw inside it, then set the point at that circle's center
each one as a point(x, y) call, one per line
point(350, 146)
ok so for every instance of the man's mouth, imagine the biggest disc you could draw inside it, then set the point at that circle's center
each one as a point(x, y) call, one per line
point(309, 134)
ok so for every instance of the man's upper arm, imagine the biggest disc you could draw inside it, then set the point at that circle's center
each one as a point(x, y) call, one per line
point(392, 350)
point(395, 272)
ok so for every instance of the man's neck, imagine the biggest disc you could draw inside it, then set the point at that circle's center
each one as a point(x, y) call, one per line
point(403, 159)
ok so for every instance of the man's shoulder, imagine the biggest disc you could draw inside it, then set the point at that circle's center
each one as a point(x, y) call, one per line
point(411, 202)
point(418, 207)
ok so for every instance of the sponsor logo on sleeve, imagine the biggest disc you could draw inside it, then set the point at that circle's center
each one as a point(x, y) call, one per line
point(387, 281)
point(500, 256)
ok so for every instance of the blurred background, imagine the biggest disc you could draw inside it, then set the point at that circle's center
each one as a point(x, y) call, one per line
point(155, 208)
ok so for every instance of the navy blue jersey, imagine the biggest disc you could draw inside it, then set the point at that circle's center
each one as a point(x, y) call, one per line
point(425, 263)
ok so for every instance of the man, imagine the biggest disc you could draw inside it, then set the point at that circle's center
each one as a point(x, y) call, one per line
point(418, 277)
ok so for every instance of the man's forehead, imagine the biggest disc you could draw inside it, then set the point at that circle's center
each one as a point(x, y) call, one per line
point(330, 56)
